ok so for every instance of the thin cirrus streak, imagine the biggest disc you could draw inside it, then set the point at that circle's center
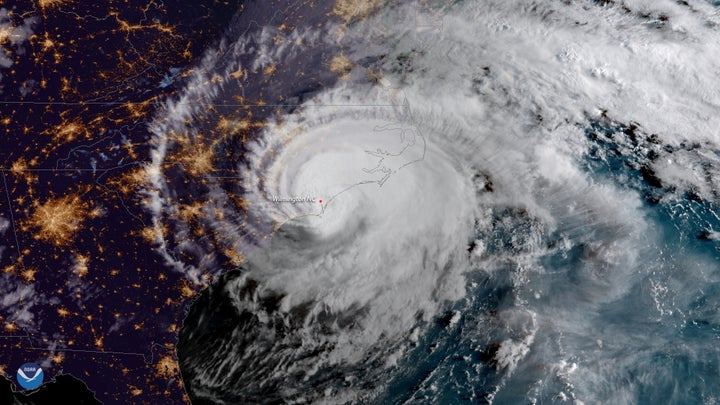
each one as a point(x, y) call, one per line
point(476, 133)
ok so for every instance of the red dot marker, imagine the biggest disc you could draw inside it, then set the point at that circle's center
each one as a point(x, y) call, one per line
point(320, 201)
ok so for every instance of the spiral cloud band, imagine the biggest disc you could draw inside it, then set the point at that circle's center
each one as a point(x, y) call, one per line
point(472, 165)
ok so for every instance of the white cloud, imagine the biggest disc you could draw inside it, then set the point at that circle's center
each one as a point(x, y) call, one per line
point(4, 225)
point(14, 32)
point(505, 90)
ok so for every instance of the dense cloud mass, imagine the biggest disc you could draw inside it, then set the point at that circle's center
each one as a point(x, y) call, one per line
point(546, 154)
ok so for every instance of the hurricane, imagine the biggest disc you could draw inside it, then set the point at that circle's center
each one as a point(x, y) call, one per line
point(491, 201)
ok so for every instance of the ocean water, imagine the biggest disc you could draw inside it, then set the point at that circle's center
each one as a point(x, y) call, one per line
point(657, 343)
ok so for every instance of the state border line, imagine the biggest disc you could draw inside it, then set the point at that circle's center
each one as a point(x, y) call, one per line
point(122, 103)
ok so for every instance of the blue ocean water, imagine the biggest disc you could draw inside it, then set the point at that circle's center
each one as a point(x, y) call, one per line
point(646, 334)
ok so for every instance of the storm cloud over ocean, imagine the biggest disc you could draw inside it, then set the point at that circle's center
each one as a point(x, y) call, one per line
point(437, 202)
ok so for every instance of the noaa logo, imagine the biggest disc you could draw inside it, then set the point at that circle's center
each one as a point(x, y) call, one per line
point(30, 376)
